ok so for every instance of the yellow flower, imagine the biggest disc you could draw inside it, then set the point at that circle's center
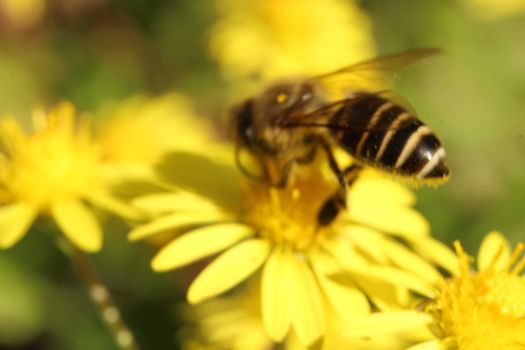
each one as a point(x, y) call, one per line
point(481, 310)
point(226, 323)
point(275, 38)
point(55, 169)
point(137, 132)
point(22, 14)
point(362, 256)
point(140, 129)
point(235, 323)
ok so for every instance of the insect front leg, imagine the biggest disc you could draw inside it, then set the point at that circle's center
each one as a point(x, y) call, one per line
point(307, 158)
point(285, 175)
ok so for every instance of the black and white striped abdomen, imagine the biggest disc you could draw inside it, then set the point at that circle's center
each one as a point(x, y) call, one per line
point(380, 133)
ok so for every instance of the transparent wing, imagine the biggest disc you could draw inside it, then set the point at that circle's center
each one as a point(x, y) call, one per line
point(372, 74)
point(354, 113)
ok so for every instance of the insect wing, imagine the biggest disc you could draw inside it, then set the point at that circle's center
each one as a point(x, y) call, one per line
point(373, 74)
point(355, 113)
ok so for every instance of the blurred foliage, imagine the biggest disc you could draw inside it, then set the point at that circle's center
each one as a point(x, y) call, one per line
point(93, 52)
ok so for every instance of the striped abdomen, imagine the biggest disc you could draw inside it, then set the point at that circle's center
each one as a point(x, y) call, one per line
point(380, 133)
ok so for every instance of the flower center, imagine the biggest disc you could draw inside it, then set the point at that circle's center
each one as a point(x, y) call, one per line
point(506, 293)
point(483, 311)
point(55, 162)
point(289, 216)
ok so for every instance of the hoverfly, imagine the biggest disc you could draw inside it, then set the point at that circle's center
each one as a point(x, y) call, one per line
point(288, 122)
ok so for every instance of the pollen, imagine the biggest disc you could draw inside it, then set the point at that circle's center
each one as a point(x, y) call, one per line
point(288, 216)
point(56, 161)
point(483, 310)
point(507, 295)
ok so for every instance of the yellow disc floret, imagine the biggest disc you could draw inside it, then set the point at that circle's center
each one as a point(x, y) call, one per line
point(288, 216)
point(484, 310)
point(57, 161)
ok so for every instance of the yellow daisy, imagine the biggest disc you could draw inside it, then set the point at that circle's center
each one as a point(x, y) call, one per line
point(365, 255)
point(275, 38)
point(56, 169)
point(481, 310)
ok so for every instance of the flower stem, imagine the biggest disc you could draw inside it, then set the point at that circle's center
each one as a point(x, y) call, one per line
point(101, 297)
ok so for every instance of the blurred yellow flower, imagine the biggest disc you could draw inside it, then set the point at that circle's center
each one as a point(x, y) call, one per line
point(22, 14)
point(366, 255)
point(55, 169)
point(275, 38)
point(136, 133)
point(226, 323)
point(140, 129)
point(481, 310)
point(235, 323)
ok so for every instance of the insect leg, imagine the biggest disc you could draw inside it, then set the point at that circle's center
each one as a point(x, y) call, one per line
point(334, 204)
point(351, 173)
point(287, 169)
point(308, 158)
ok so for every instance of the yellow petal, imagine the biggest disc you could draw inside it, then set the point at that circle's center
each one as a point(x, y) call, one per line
point(274, 296)
point(437, 252)
point(493, 244)
point(170, 202)
point(400, 278)
point(199, 173)
point(129, 178)
point(78, 223)
point(428, 345)
point(403, 221)
point(229, 269)
point(354, 263)
point(408, 261)
point(367, 240)
point(384, 295)
point(15, 220)
point(173, 222)
point(61, 118)
point(115, 205)
point(13, 137)
point(405, 279)
point(348, 301)
point(376, 188)
point(346, 255)
point(199, 243)
point(305, 302)
point(382, 323)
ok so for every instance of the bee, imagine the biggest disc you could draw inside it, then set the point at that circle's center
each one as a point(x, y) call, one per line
point(286, 124)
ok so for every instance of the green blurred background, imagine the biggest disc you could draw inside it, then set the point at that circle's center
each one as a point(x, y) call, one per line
point(96, 51)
